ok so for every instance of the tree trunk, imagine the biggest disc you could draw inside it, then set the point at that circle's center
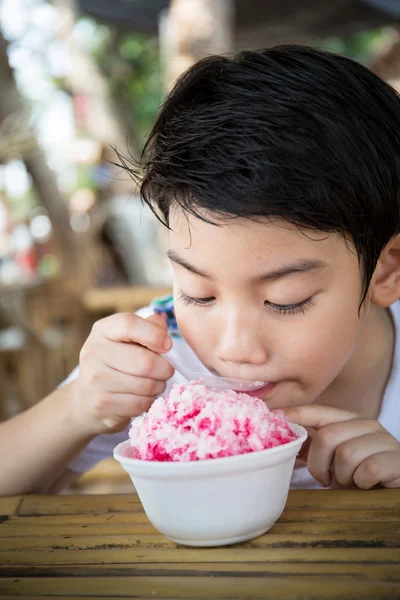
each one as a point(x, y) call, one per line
point(192, 30)
point(103, 120)
point(387, 64)
point(12, 108)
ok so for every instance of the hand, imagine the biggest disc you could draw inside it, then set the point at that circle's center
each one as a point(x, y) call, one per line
point(121, 371)
point(345, 450)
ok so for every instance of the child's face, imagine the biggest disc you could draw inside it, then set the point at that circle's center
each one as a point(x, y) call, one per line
point(231, 312)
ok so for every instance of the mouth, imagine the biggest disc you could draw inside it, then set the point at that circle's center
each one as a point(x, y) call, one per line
point(262, 391)
point(265, 391)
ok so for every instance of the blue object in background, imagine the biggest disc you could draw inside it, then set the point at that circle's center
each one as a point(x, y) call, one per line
point(165, 307)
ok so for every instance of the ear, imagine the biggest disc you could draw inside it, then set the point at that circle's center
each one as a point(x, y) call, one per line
point(385, 283)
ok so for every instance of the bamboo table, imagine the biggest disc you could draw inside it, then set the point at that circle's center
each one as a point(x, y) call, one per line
point(121, 299)
point(327, 544)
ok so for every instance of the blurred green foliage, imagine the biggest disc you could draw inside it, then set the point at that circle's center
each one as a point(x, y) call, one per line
point(142, 80)
point(132, 67)
point(131, 63)
point(362, 46)
point(21, 205)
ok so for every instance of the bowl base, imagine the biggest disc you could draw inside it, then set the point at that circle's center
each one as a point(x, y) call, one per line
point(221, 541)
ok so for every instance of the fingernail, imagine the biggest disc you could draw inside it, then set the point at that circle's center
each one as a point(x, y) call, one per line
point(167, 344)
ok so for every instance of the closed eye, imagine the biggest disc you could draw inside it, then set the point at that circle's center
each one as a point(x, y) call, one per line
point(291, 309)
point(283, 309)
point(190, 301)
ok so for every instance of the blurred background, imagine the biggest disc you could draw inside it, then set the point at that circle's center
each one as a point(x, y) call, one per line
point(77, 80)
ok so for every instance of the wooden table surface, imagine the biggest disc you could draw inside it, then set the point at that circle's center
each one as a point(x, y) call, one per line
point(121, 299)
point(327, 544)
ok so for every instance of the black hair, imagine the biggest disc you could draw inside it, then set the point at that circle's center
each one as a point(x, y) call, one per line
point(292, 132)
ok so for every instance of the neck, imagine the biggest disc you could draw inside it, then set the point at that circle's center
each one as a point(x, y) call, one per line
point(361, 385)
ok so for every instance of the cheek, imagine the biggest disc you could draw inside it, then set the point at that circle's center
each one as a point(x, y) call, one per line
point(323, 348)
point(193, 328)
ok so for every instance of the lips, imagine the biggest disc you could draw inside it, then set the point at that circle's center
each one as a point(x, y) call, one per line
point(262, 392)
point(265, 391)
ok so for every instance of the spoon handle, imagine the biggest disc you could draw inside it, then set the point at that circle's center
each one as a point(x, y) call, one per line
point(213, 381)
point(173, 360)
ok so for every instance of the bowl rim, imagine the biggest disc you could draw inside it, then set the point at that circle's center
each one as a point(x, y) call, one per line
point(209, 464)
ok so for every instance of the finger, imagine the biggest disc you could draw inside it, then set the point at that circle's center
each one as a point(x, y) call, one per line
point(317, 416)
point(128, 327)
point(335, 485)
point(129, 405)
point(326, 441)
point(302, 456)
point(159, 321)
point(135, 360)
point(116, 423)
point(350, 454)
point(111, 381)
point(115, 406)
point(383, 468)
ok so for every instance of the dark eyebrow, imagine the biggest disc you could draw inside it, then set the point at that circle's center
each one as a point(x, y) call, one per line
point(300, 266)
point(181, 261)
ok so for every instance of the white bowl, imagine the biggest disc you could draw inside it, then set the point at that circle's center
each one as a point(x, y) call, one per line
point(217, 501)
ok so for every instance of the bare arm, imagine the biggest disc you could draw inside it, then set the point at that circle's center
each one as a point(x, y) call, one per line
point(66, 479)
point(121, 373)
point(37, 446)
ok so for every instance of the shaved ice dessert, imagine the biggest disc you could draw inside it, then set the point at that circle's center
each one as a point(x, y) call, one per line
point(211, 467)
point(195, 423)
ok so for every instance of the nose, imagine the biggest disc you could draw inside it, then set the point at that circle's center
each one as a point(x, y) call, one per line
point(241, 341)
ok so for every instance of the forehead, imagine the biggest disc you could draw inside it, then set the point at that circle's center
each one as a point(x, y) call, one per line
point(273, 242)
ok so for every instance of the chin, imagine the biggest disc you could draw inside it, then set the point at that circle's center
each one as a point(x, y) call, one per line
point(286, 399)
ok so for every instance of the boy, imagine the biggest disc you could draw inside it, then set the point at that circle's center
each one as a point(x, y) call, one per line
point(278, 174)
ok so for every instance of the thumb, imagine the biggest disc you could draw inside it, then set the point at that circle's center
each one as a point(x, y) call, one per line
point(302, 456)
point(159, 321)
point(162, 323)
